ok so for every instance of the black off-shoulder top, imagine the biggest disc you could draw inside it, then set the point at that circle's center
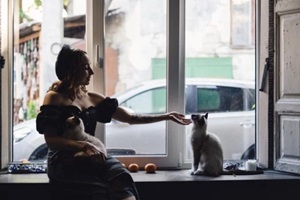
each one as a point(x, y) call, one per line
point(53, 115)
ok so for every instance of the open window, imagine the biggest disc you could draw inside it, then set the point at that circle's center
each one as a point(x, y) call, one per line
point(185, 40)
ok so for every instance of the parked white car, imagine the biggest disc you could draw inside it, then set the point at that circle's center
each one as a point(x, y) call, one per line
point(230, 104)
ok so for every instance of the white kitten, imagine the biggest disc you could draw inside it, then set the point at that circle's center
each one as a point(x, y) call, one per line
point(74, 129)
point(206, 148)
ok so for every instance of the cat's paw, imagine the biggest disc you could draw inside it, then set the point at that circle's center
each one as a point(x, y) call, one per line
point(192, 172)
point(80, 154)
point(199, 172)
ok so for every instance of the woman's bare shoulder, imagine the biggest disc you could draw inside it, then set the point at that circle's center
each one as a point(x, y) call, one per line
point(53, 98)
point(96, 97)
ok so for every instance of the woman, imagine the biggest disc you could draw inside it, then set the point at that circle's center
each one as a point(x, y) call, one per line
point(69, 96)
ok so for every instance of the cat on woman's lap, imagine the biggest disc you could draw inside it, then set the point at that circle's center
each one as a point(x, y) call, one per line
point(74, 130)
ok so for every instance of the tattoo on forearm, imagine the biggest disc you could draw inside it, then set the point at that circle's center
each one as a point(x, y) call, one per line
point(143, 119)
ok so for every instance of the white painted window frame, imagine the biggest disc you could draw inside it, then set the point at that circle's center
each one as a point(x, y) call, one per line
point(175, 147)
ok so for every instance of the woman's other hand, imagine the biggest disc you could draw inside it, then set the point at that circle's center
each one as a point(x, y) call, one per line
point(90, 149)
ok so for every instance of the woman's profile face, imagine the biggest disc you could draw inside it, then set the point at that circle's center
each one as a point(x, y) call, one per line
point(85, 71)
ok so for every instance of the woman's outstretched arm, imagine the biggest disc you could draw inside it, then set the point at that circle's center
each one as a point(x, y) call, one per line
point(123, 115)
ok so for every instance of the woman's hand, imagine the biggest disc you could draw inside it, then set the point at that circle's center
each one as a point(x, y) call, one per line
point(179, 118)
point(90, 150)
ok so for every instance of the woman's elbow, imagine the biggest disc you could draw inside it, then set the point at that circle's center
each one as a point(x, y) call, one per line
point(123, 115)
point(51, 140)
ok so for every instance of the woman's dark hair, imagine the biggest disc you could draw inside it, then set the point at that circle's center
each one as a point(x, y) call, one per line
point(66, 67)
point(67, 61)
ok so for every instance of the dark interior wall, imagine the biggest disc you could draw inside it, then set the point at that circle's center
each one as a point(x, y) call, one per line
point(182, 190)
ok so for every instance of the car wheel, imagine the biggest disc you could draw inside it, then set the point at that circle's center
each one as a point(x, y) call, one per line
point(249, 153)
point(40, 154)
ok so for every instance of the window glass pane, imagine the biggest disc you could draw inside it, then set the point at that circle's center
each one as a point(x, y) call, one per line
point(40, 30)
point(220, 62)
point(135, 36)
point(150, 102)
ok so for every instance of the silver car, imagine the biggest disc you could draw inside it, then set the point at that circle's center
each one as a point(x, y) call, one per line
point(230, 104)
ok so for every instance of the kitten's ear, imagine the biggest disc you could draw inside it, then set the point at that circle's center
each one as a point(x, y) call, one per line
point(206, 115)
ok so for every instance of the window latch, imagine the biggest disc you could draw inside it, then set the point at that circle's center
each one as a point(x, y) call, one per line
point(2, 62)
point(99, 58)
point(264, 78)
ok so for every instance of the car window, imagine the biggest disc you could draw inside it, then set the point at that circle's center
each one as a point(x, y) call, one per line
point(220, 99)
point(250, 99)
point(232, 99)
point(208, 100)
point(150, 101)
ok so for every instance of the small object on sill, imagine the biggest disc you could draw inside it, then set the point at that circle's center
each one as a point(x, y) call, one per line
point(21, 167)
point(240, 168)
point(232, 165)
point(150, 168)
point(250, 165)
point(133, 167)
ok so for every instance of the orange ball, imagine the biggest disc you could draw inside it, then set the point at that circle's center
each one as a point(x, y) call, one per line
point(150, 168)
point(133, 167)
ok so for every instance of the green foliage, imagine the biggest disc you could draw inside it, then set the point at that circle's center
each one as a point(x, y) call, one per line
point(23, 16)
point(38, 3)
point(32, 111)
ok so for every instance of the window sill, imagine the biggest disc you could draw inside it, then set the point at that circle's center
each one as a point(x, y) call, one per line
point(175, 184)
point(158, 176)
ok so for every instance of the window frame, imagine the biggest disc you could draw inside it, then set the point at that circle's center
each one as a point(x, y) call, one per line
point(7, 35)
point(175, 90)
point(262, 29)
point(175, 82)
